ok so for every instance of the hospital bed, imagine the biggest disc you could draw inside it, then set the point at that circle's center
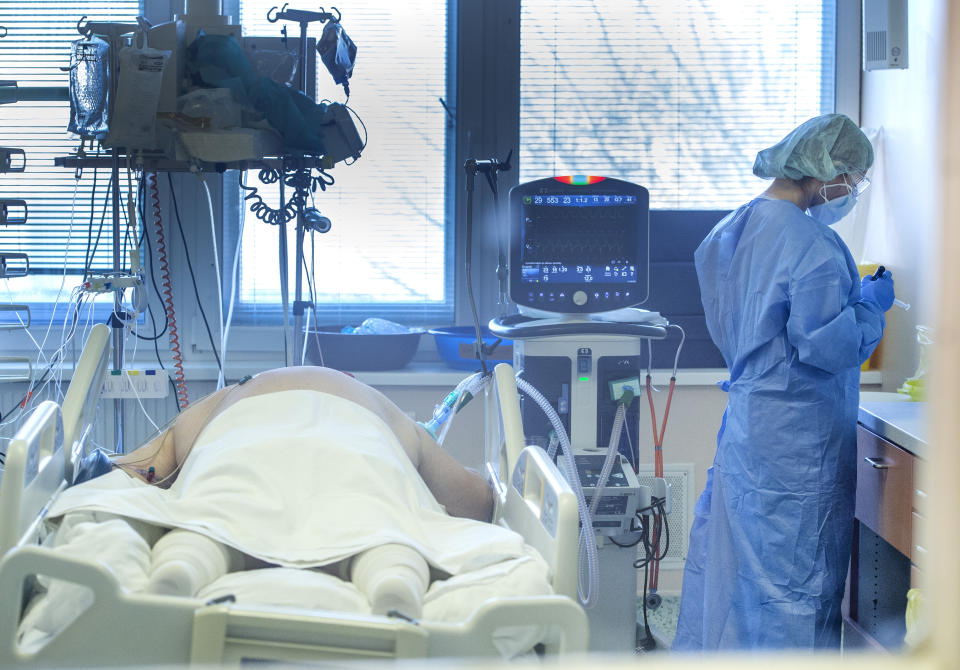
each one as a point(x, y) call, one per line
point(120, 627)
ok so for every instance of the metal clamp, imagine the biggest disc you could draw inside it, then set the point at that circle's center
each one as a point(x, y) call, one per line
point(6, 159)
point(6, 271)
point(302, 16)
point(10, 377)
point(876, 463)
point(108, 29)
point(8, 218)
point(20, 324)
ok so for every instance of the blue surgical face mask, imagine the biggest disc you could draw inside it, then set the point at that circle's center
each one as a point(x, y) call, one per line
point(831, 211)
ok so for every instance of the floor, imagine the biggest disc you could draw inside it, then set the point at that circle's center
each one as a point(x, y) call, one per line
point(663, 621)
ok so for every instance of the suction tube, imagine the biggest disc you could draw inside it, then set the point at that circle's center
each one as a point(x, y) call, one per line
point(588, 543)
point(613, 449)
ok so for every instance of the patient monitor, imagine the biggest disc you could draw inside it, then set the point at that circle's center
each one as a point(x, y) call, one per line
point(579, 245)
point(579, 266)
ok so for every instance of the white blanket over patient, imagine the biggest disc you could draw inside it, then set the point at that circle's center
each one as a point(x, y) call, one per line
point(301, 479)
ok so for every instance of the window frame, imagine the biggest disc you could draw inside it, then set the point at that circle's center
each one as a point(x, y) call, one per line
point(255, 315)
point(483, 82)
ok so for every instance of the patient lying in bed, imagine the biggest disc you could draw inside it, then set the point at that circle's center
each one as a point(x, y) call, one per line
point(460, 491)
point(304, 468)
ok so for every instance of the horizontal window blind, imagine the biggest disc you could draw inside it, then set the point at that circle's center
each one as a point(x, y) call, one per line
point(37, 46)
point(676, 95)
point(388, 252)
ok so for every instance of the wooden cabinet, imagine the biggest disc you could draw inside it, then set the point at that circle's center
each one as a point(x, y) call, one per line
point(885, 489)
point(883, 554)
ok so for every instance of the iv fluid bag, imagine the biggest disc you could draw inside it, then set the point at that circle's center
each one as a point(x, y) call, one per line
point(90, 79)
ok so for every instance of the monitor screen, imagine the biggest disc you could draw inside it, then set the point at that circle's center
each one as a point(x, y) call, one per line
point(579, 247)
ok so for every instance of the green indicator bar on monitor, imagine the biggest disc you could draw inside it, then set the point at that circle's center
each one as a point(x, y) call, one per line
point(584, 379)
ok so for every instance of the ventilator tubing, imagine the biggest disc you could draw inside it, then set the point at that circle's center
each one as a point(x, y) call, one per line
point(588, 541)
point(393, 577)
point(613, 450)
point(472, 385)
point(182, 562)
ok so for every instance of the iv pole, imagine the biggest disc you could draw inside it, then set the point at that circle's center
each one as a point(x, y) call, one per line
point(113, 32)
point(304, 18)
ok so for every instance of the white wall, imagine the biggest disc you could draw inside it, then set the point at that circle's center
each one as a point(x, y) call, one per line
point(905, 104)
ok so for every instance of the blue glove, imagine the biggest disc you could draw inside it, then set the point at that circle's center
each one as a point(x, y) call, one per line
point(879, 291)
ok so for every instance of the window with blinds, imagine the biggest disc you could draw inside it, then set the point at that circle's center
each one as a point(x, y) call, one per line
point(66, 216)
point(389, 250)
point(676, 95)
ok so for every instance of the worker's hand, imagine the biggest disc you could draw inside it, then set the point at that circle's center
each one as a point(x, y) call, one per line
point(879, 290)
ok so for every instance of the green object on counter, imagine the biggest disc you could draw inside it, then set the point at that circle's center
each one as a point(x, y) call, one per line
point(915, 388)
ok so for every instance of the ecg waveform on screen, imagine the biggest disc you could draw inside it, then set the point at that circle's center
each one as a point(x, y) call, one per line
point(549, 248)
point(560, 236)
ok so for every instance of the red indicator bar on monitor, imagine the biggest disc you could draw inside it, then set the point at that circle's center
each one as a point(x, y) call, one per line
point(579, 179)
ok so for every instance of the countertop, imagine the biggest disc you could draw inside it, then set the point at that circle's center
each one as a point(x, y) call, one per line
point(895, 420)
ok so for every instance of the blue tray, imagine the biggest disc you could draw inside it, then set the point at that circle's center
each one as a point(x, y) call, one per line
point(456, 347)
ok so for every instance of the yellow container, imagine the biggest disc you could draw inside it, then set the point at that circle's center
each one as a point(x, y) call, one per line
point(872, 363)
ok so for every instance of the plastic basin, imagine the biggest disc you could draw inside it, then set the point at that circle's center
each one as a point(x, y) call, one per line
point(346, 351)
point(456, 347)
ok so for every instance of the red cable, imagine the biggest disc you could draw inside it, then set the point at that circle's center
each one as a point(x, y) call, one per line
point(653, 420)
point(179, 380)
point(657, 472)
point(658, 435)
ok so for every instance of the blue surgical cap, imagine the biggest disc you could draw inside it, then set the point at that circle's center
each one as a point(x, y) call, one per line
point(823, 147)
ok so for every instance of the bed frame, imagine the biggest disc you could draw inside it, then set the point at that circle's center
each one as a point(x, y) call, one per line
point(120, 628)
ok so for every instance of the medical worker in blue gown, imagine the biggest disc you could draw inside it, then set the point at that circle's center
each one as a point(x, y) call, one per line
point(785, 305)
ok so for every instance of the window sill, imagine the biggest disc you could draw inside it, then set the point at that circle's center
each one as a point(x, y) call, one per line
point(423, 374)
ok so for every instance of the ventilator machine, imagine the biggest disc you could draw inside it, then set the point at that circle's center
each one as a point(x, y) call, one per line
point(579, 264)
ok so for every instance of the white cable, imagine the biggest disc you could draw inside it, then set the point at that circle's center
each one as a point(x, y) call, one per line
point(66, 256)
point(216, 267)
point(234, 272)
point(140, 402)
point(306, 339)
point(6, 283)
point(306, 326)
point(42, 344)
point(129, 330)
point(284, 291)
point(683, 338)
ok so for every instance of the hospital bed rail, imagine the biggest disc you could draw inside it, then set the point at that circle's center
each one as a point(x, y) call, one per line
point(162, 629)
point(168, 630)
point(34, 474)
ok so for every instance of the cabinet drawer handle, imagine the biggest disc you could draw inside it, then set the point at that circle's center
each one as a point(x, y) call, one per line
point(876, 463)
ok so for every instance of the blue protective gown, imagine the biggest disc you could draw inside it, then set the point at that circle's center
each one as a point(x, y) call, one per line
point(771, 536)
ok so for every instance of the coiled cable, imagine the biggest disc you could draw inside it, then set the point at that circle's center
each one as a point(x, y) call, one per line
point(302, 180)
point(179, 381)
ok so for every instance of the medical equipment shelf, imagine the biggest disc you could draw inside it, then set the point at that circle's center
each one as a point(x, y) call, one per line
point(157, 163)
